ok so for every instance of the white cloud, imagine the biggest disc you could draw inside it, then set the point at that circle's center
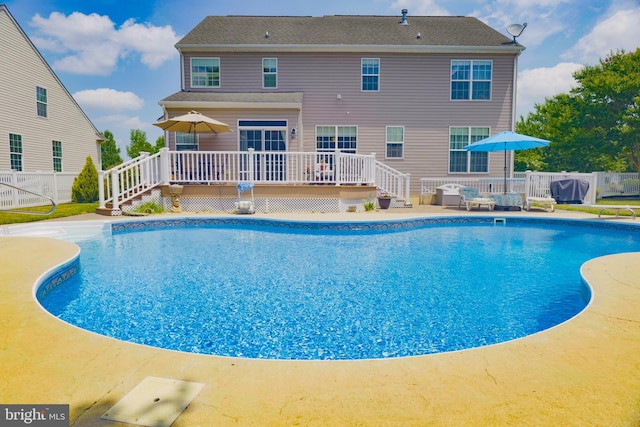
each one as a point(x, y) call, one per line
point(545, 18)
point(149, 41)
point(536, 84)
point(620, 30)
point(108, 99)
point(420, 7)
point(91, 44)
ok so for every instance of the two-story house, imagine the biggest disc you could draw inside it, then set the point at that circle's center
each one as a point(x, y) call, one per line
point(42, 128)
point(414, 90)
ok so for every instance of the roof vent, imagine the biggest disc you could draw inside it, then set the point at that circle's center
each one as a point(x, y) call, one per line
point(266, 35)
point(404, 17)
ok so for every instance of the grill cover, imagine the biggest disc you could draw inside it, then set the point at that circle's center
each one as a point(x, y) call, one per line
point(569, 190)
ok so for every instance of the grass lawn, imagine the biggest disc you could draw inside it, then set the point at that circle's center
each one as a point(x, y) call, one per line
point(62, 210)
point(621, 202)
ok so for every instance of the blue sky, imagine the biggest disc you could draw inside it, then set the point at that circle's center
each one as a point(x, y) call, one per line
point(117, 58)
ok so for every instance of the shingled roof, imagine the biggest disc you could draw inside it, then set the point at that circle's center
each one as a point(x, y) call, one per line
point(343, 32)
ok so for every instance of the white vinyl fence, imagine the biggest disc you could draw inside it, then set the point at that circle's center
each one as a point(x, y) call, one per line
point(611, 184)
point(56, 185)
point(532, 184)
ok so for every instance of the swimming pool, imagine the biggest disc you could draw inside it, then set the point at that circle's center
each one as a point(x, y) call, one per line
point(292, 290)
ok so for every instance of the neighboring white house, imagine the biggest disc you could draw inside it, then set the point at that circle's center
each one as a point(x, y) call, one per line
point(42, 128)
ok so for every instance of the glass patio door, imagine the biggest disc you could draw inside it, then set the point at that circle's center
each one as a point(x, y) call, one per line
point(267, 143)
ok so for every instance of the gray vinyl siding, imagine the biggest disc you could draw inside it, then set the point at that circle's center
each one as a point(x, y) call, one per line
point(414, 92)
point(22, 69)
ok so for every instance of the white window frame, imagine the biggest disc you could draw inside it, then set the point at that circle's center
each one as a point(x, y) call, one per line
point(56, 157)
point(335, 138)
point(191, 73)
point(470, 80)
point(180, 135)
point(18, 154)
point(363, 75)
point(388, 142)
point(470, 139)
point(42, 103)
point(269, 73)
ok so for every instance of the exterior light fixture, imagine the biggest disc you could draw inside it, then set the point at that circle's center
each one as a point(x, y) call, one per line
point(515, 30)
point(338, 96)
point(294, 133)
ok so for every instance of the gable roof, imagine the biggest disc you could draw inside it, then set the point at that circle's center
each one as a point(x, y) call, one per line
point(3, 8)
point(345, 33)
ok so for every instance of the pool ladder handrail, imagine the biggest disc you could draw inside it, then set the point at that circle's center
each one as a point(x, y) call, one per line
point(53, 204)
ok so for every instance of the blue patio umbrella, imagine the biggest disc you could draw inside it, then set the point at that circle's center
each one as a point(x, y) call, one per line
point(507, 141)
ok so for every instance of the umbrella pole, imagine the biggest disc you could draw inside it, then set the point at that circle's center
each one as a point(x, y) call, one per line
point(505, 168)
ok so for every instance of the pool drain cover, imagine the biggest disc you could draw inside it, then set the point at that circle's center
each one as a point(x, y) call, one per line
point(154, 402)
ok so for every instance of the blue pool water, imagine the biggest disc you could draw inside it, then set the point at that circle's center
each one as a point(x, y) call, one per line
point(284, 290)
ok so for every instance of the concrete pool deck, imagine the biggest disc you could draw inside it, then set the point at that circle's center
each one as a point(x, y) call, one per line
point(585, 372)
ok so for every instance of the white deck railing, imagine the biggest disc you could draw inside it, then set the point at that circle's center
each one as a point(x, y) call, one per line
point(130, 179)
point(135, 177)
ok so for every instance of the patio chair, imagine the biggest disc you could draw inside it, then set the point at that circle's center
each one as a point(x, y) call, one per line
point(472, 198)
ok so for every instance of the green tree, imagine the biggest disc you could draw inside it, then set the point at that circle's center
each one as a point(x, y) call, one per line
point(85, 186)
point(609, 99)
point(594, 127)
point(139, 144)
point(110, 152)
point(159, 144)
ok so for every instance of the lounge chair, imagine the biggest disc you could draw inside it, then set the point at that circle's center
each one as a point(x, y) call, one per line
point(472, 198)
point(545, 202)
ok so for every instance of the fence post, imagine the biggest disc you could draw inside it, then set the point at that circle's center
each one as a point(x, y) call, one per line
point(527, 185)
point(373, 170)
point(101, 189)
point(164, 166)
point(252, 162)
point(407, 190)
point(114, 189)
point(14, 192)
point(54, 196)
point(599, 183)
point(337, 166)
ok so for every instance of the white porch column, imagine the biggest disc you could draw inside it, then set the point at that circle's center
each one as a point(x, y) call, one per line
point(101, 189)
point(115, 189)
point(165, 170)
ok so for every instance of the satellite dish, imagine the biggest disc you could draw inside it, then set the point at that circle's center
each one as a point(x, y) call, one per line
point(515, 30)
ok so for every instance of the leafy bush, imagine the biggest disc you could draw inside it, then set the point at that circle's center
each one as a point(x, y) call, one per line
point(85, 185)
point(149, 208)
point(369, 205)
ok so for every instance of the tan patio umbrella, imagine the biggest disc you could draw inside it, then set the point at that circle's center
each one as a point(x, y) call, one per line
point(193, 122)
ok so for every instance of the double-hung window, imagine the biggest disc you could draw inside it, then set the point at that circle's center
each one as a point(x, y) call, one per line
point(205, 72)
point(56, 147)
point(341, 138)
point(41, 101)
point(15, 151)
point(186, 141)
point(395, 142)
point(370, 74)
point(461, 160)
point(471, 80)
point(269, 73)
